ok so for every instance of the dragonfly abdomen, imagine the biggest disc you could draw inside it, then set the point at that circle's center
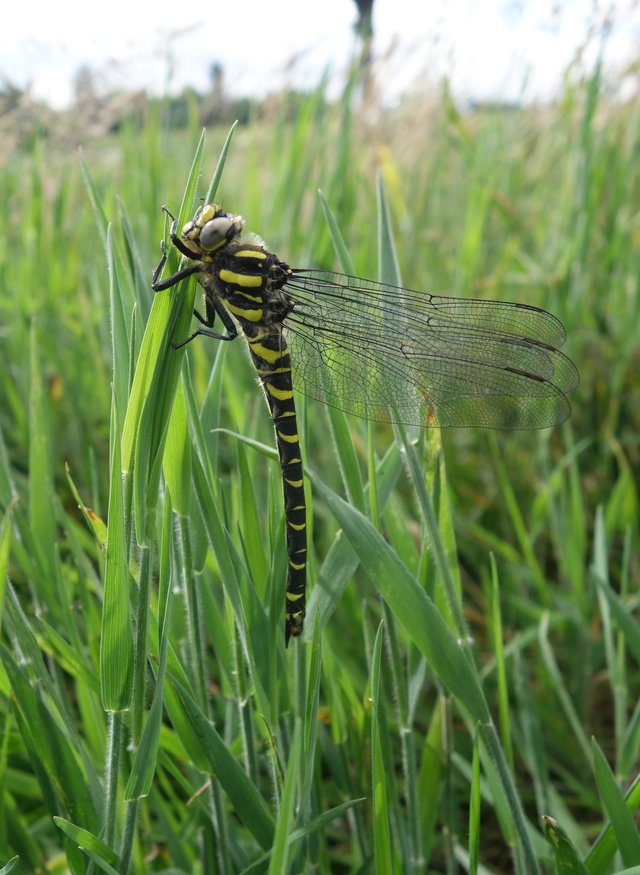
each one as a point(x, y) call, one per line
point(270, 357)
point(249, 283)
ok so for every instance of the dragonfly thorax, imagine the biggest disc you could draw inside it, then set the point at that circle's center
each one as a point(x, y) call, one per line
point(251, 279)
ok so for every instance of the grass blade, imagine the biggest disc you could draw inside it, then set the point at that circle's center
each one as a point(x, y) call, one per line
point(621, 818)
point(281, 842)
point(381, 829)
point(116, 651)
point(247, 802)
point(410, 604)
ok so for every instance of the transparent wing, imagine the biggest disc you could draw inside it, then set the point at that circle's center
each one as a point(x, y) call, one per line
point(396, 355)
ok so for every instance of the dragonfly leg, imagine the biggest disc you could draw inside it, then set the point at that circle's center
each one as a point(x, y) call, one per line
point(208, 320)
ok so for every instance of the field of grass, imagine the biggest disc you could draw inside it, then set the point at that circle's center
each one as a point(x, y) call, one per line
point(465, 695)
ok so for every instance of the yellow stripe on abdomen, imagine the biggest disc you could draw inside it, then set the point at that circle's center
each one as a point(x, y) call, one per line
point(270, 356)
point(279, 394)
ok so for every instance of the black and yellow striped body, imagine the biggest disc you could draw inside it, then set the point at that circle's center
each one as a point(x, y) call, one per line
point(270, 357)
point(246, 281)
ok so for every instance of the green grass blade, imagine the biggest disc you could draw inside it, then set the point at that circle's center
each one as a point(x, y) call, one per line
point(503, 692)
point(156, 379)
point(430, 777)
point(623, 617)
point(601, 855)
point(341, 561)
point(311, 715)
point(95, 849)
point(566, 857)
point(474, 809)
point(247, 608)
point(95, 524)
point(445, 561)
point(621, 818)
point(388, 267)
point(40, 475)
point(96, 200)
point(381, 827)
point(217, 173)
point(532, 732)
point(249, 523)
point(560, 688)
point(120, 349)
point(248, 804)
point(336, 238)
point(413, 608)
point(116, 642)
point(316, 824)
point(492, 742)
point(281, 842)
point(347, 459)
point(5, 540)
point(177, 457)
point(53, 759)
point(141, 776)
point(519, 525)
point(69, 657)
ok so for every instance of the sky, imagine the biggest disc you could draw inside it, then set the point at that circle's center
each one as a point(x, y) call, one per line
point(489, 49)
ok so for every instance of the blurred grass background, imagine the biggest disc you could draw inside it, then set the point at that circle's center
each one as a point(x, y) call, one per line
point(539, 530)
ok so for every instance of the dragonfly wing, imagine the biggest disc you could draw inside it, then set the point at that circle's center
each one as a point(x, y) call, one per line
point(395, 355)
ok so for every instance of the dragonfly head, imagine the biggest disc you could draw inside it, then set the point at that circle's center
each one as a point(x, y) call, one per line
point(210, 229)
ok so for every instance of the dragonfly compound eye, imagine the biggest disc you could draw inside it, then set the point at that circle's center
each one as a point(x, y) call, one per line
point(215, 233)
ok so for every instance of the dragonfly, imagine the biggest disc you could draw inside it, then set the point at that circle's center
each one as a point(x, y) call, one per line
point(374, 350)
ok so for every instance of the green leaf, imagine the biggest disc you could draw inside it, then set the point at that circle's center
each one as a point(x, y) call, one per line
point(281, 842)
point(388, 267)
point(96, 525)
point(167, 314)
point(623, 616)
point(621, 818)
point(121, 352)
point(99, 852)
point(411, 605)
point(314, 825)
point(430, 775)
point(249, 523)
point(336, 238)
point(567, 859)
point(177, 457)
point(247, 802)
point(5, 540)
point(600, 857)
point(341, 561)
point(141, 777)
point(347, 458)
point(474, 809)
point(116, 642)
point(53, 758)
point(381, 827)
point(40, 474)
